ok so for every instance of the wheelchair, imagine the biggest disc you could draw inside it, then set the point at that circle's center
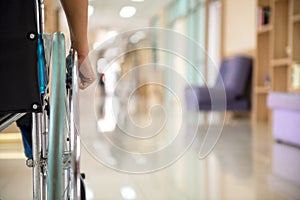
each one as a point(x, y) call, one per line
point(37, 78)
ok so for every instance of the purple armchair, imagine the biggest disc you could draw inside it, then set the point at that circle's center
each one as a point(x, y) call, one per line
point(235, 73)
point(286, 116)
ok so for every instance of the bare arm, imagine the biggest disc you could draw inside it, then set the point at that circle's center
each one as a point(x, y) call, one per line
point(77, 16)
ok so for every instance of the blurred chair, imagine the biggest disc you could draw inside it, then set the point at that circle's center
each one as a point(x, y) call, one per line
point(286, 116)
point(235, 74)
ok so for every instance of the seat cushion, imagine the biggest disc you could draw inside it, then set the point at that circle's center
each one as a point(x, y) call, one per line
point(289, 101)
point(201, 97)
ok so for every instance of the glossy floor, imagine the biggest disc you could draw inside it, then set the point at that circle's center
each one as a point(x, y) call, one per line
point(246, 164)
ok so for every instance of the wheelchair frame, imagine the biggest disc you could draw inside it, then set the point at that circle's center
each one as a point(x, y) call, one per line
point(55, 130)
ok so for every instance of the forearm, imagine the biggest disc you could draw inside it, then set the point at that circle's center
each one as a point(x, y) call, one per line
point(77, 16)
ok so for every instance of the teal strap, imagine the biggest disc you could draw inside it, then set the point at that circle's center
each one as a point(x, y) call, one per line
point(41, 64)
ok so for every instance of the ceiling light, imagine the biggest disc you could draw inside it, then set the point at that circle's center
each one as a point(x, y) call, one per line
point(137, 0)
point(90, 10)
point(128, 193)
point(127, 11)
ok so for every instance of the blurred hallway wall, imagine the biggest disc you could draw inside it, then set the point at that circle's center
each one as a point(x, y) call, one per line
point(239, 27)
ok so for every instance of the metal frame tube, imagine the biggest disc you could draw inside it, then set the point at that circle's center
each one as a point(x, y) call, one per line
point(11, 119)
point(40, 15)
point(44, 135)
point(74, 130)
point(36, 152)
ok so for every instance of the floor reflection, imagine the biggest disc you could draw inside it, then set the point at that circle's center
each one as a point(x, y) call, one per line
point(245, 163)
point(285, 176)
point(241, 165)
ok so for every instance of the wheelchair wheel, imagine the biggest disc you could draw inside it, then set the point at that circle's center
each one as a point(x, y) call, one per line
point(57, 124)
point(64, 180)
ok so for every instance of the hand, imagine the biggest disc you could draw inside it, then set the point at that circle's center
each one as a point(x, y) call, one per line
point(86, 73)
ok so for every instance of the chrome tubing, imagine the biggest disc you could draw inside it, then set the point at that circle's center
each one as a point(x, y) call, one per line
point(74, 129)
point(40, 15)
point(36, 152)
point(44, 153)
point(9, 120)
point(57, 125)
point(44, 138)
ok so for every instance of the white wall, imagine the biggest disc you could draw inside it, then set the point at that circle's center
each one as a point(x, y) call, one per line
point(239, 26)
